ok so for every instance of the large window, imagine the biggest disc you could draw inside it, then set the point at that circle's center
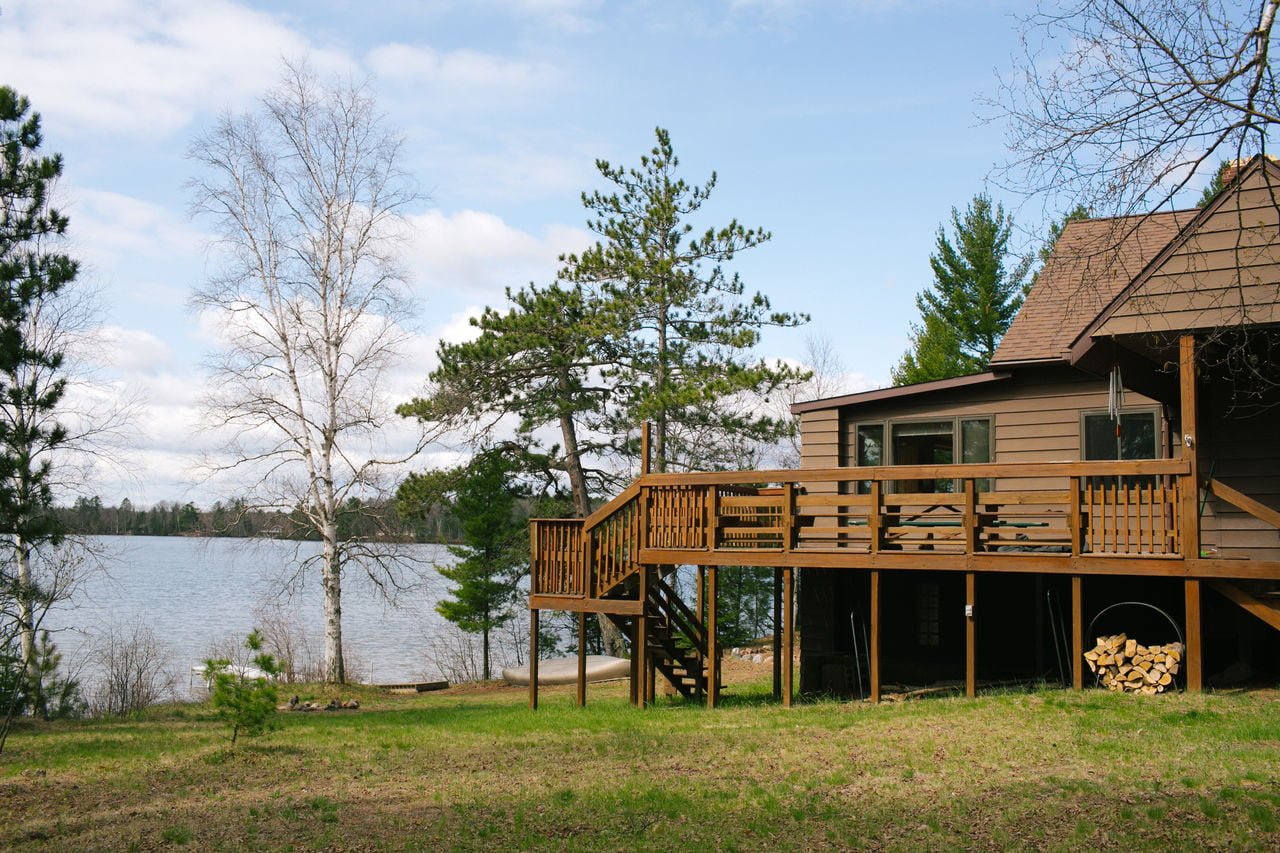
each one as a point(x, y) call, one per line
point(923, 442)
point(1135, 436)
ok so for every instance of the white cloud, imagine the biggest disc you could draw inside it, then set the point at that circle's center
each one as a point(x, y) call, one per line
point(460, 76)
point(567, 15)
point(474, 253)
point(131, 351)
point(145, 69)
point(109, 226)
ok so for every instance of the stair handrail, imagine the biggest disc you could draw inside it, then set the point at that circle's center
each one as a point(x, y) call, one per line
point(692, 624)
point(620, 500)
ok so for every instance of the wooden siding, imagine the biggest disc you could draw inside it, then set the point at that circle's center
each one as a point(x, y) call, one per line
point(1225, 272)
point(1244, 453)
point(1035, 418)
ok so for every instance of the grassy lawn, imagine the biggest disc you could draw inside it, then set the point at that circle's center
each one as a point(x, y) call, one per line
point(476, 770)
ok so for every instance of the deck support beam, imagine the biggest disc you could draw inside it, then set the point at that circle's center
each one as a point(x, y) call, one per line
point(1195, 643)
point(713, 642)
point(1077, 632)
point(701, 574)
point(873, 663)
point(789, 636)
point(633, 689)
point(1190, 492)
point(970, 638)
point(640, 651)
point(777, 633)
point(533, 660)
point(582, 660)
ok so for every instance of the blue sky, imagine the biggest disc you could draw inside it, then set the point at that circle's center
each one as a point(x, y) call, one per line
point(848, 129)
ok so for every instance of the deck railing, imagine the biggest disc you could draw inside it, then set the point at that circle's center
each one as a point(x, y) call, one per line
point(1117, 509)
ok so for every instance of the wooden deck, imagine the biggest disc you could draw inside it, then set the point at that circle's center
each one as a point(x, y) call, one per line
point(1135, 518)
point(1117, 518)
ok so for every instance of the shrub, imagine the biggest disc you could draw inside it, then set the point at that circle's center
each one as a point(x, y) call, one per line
point(245, 695)
point(132, 663)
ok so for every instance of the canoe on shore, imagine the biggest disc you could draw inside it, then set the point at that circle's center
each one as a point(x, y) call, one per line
point(565, 670)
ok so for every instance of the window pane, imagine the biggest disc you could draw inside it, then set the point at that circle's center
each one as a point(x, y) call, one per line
point(1136, 439)
point(975, 441)
point(870, 440)
point(924, 428)
point(1138, 436)
point(1100, 438)
point(927, 443)
point(870, 444)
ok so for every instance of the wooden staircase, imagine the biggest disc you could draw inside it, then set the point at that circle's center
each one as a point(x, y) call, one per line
point(675, 641)
point(1258, 599)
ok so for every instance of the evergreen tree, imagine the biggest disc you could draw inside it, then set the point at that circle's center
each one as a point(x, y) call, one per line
point(1215, 185)
point(536, 362)
point(973, 295)
point(1079, 212)
point(494, 556)
point(244, 695)
point(934, 354)
point(680, 327)
point(31, 383)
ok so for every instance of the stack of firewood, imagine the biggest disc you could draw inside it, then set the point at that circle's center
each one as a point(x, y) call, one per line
point(1124, 665)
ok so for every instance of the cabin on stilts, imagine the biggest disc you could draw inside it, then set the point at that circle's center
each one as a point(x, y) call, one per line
point(1115, 470)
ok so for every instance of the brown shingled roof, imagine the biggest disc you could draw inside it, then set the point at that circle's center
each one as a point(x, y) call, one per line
point(1093, 260)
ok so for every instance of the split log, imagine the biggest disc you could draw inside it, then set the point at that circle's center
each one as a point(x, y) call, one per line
point(1124, 664)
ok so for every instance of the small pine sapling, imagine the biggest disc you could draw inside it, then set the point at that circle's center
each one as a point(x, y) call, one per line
point(245, 695)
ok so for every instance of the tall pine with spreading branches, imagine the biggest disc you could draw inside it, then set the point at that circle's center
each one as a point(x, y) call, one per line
point(680, 328)
point(32, 272)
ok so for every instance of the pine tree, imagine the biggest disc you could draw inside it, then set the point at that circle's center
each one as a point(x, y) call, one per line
point(679, 326)
point(494, 556)
point(974, 296)
point(31, 383)
point(535, 362)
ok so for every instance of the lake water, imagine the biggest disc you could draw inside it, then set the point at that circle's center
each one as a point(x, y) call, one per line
point(196, 593)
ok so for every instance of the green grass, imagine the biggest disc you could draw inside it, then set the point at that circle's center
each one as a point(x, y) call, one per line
point(476, 770)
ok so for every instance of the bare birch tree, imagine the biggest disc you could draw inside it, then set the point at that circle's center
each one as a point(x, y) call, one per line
point(1120, 106)
point(307, 195)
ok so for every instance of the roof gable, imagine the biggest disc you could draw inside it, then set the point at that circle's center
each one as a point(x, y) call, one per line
point(1222, 270)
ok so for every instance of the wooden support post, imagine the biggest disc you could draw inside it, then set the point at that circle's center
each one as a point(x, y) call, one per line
point(713, 642)
point(702, 614)
point(650, 679)
point(1195, 644)
point(874, 652)
point(788, 517)
point(634, 688)
point(789, 635)
point(1075, 518)
point(582, 659)
point(645, 451)
point(1190, 492)
point(971, 521)
point(642, 640)
point(970, 638)
point(874, 518)
point(1037, 607)
point(533, 660)
point(1077, 633)
point(777, 633)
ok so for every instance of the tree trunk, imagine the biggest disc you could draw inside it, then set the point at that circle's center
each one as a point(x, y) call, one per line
point(26, 609)
point(573, 466)
point(485, 642)
point(335, 671)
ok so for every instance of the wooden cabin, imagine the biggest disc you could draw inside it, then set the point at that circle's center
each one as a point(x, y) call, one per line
point(1115, 470)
